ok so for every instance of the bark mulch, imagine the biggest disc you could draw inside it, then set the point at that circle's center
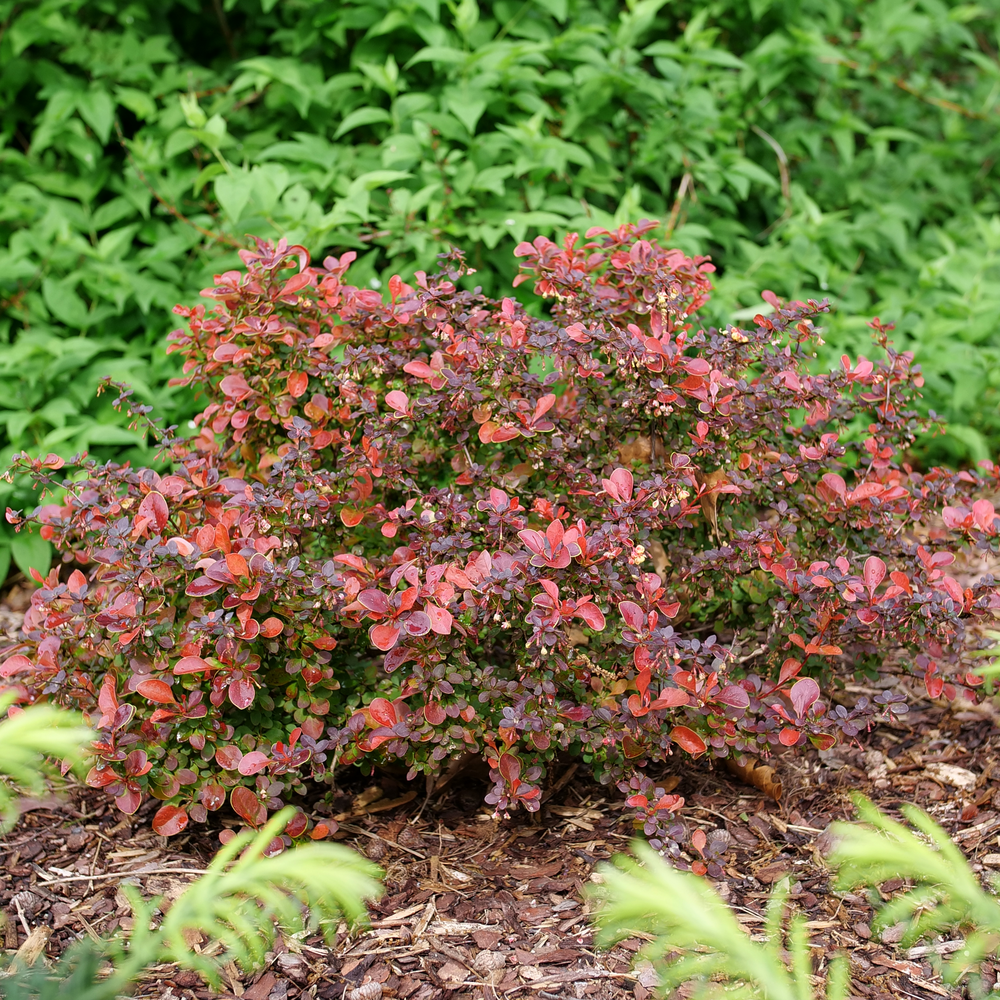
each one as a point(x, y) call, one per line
point(476, 909)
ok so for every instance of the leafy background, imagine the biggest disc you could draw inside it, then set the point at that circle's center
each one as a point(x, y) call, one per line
point(838, 148)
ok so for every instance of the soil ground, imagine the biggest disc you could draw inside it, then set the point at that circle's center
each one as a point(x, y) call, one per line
point(476, 909)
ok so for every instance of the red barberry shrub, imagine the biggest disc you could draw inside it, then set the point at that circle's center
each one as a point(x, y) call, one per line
point(415, 529)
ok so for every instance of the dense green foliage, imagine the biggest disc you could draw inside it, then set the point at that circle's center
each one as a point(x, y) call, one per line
point(816, 148)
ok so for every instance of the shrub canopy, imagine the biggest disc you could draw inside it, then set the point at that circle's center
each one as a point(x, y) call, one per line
point(428, 525)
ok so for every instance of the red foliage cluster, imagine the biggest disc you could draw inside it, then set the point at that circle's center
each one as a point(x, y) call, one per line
point(415, 529)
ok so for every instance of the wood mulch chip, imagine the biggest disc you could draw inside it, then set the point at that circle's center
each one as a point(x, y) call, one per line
point(476, 909)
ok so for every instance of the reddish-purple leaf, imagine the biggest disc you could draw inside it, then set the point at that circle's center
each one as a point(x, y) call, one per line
point(228, 757)
point(154, 508)
point(129, 800)
point(191, 665)
point(734, 696)
point(803, 695)
point(510, 767)
point(297, 825)
point(156, 691)
point(241, 692)
point(383, 712)
point(202, 586)
point(246, 805)
point(634, 616)
point(688, 739)
point(874, 572)
point(213, 796)
point(169, 820)
point(253, 762)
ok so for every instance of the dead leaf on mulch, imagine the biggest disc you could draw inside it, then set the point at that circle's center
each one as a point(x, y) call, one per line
point(757, 774)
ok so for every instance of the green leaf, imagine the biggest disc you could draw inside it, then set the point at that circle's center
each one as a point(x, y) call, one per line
point(361, 116)
point(233, 192)
point(31, 551)
point(64, 303)
point(467, 108)
point(97, 109)
point(377, 178)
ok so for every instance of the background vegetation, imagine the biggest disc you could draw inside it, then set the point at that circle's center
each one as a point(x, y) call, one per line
point(816, 148)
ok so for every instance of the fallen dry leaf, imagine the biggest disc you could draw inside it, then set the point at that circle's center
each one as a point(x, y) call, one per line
point(760, 776)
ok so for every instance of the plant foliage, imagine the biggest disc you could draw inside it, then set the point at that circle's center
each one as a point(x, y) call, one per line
point(416, 528)
point(843, 148)
point(696, 938)
point(239, 904)
point(26, 737)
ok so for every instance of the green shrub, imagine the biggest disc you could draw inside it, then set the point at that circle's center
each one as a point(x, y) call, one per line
point(842, 148)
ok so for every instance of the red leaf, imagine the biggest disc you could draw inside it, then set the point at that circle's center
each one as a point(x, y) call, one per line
point(129, 801)
point(823, 741)
point(688, 739)
point(237, 565)
point(788, 737)
point(156, 691)
point(510, 767)
point(734, 696)
point(636, 707)
point(271, 627)
point(383, 712)
point(213, 796)
point(15, 665)
point(246, 805)
point(699, 840)
point(671, 698)
point(384, 637)
point(789, 669)
point(397, 401)
point(441, 620)
point(351, 516)
point(202, 586)
point(169, 820)
point(637, 801)
point(154, 508)
point(191, 665)
point(874, 572)
point(634, 616)
point(803, 695)
point(234, 386)
point(592, 615)
point(297, 384)
point(241, 692)
point(228, 757)
point(253, 763)
point(434, 713)
point(297, 825)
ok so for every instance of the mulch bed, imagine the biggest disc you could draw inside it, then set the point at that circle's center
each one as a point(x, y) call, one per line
point(476, 909)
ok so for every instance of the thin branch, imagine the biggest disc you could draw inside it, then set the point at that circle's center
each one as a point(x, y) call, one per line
point(172, 209)
point(938, 102)
point(786, 186)
point(687, 181)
